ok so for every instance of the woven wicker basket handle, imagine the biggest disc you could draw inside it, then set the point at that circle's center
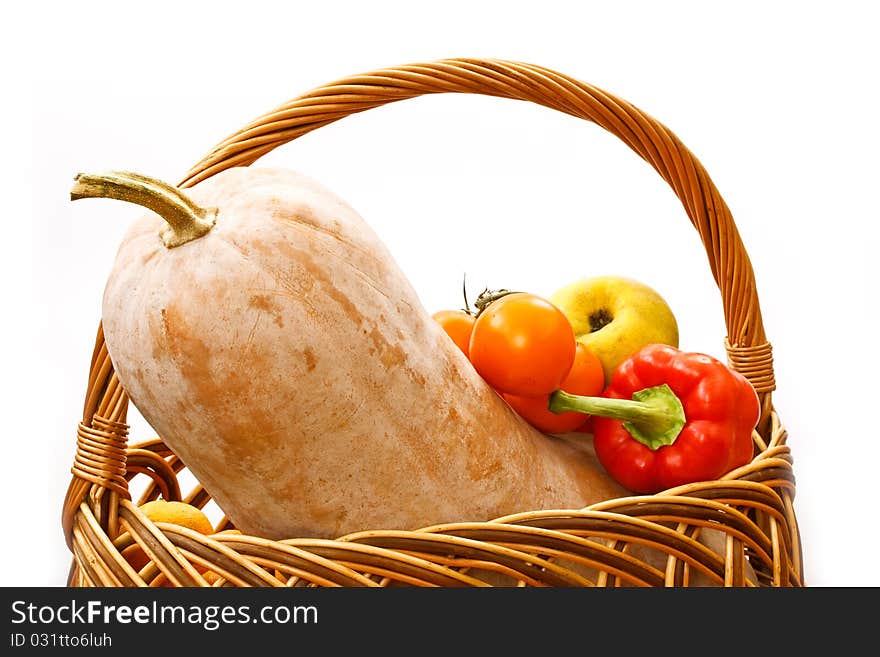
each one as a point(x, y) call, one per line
point(747, 347)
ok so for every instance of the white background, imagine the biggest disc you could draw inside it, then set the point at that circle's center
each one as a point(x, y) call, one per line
point(778, 100)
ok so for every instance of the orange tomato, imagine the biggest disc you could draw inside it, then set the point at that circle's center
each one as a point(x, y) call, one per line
point(586, 377)
point(522, 344)
point(458, 325)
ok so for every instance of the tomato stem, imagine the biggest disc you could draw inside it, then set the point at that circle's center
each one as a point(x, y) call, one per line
point(467, 305)
point(654, 416)
point(487, 296)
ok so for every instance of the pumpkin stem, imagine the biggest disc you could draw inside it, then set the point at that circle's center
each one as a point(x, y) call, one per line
point(186, 220)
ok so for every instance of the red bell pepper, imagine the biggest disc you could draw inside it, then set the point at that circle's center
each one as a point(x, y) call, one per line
point(668, 418)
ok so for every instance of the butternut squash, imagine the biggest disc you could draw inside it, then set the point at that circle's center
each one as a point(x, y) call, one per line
point(267, 334)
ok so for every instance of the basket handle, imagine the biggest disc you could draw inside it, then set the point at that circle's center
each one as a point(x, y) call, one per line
point(746, 344)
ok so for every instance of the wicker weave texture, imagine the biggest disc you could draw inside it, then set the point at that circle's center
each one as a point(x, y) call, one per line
point(737, 531)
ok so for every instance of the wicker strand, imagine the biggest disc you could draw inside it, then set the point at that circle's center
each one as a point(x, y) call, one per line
point(753, 362)
point(100, 454)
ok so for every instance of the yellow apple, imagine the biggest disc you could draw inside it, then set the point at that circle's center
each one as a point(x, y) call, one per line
point(615, 316)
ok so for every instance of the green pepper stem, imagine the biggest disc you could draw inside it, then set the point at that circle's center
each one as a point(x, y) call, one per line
point(654, 416)
point(186, 220)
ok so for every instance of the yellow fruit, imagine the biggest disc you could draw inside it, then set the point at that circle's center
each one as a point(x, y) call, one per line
point(615, 316)
point(211, 577)
point(178, 513)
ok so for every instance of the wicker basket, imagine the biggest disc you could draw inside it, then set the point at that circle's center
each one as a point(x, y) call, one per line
point(647, 540)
